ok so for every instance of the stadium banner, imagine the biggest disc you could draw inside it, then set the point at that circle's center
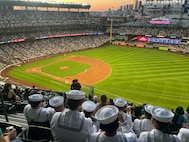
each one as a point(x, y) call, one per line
point(164, 48)
point(140, 45)
point(160, 21)
point(142, 38)
point(164, 40)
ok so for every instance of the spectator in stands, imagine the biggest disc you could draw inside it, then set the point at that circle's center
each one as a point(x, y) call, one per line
point(183, 135)
point(32, 90)
point(109, 122)
point(121, 103)
point(57, 102)
point(103, 102)
point(35, 113)
point(75, 85)
point(141, 125)
point(110, 101)
point(9, 136)
point(161, 118)
point(180, 113)
point(88, 108)
point(71, 125)
point(9, 94)
point(186, 114)
point(136, 112)
point(95, 99)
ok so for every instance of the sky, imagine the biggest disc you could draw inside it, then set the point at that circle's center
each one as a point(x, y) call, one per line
point(103, 5)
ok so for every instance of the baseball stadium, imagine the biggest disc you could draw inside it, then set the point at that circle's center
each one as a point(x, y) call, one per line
point(46, 45)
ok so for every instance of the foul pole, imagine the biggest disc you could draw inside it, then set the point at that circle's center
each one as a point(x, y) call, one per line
point(111, 21)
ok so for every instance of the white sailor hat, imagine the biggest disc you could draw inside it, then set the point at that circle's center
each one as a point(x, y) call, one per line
point(119, 102)
point(35, 97)
point(148, 108)
point(107, 114)
point(183, 135)
point(95, 98)
point(56, 101)
point(88, 106)
point(75, 95)
point(162, 114)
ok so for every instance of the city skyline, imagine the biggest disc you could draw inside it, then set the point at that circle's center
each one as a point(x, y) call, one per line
point(103, 5)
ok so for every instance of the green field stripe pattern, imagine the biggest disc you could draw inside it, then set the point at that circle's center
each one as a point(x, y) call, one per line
point(139, 75)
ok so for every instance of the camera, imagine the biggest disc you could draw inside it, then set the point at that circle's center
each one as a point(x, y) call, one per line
point(10, 128)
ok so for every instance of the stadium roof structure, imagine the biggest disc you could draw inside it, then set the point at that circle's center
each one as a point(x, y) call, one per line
point(45, 3)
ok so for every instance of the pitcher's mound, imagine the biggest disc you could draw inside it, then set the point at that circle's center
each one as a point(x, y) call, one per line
point(64, 67)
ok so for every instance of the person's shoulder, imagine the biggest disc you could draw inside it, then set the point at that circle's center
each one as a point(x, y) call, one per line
point(93, 136)
point(145, 133)
point(137, 121)
point(131, 137)
point(28, 106)
point(55, 116)
point(49, 109)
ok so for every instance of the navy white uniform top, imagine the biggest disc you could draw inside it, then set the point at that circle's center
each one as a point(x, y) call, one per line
point(71, 126)
point(156, 135)
point(127, 118)
point(119, 137)
point(141, 125)
point(38, 115)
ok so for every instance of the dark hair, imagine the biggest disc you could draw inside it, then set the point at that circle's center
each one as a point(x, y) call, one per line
point(164, 127)
point(137, 111)
point(148, 115)
point(73, 104)
point(179, 110)
point(6, 88)
point(103, 98)
point(187, 109)
point(87, 114)
point(110, 127)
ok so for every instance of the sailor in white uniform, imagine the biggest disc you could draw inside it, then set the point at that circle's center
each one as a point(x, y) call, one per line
point(183, 135)
point(141, 125)
point(35, 113)
point(161, 118)
point(108, 117)
point(121, 103)
point(57, 102)
point(70, 125)
point(88, 108)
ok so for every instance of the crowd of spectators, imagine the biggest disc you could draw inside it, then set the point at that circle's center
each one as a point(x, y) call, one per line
point(24, 51)
point(153, 31)
point(22, 18)
point(102, 119)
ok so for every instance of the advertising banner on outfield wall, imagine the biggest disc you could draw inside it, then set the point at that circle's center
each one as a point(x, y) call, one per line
point(163, 48)
point(164, 40)
point(142, 38)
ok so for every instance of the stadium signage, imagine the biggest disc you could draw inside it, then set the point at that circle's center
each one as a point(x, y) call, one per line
point(159, 21)
point(142, 38)
point(164, 40)
point(51, 36)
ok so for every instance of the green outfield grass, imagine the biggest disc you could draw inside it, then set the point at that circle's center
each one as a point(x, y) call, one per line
point(139, 75)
